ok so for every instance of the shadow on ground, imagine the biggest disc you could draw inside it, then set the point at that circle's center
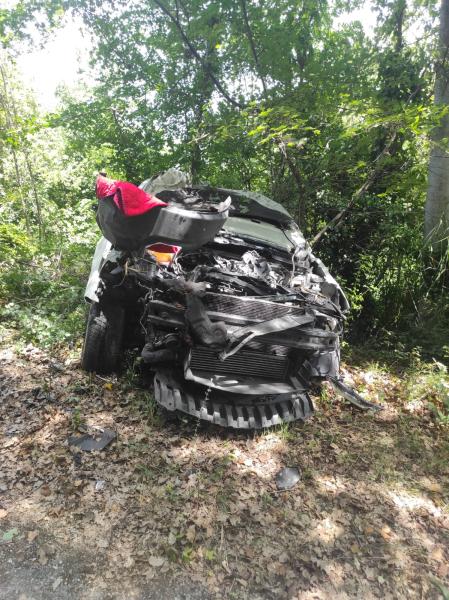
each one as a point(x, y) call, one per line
point(189, 511)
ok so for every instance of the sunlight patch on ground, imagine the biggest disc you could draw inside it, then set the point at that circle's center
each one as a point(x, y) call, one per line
point(413, 502)
point(327, 531)
point(192, 499)
point(29, 510)
point(262, 458)
point(332, 484)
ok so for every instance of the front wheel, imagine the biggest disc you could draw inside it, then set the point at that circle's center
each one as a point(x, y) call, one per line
point(102, 348)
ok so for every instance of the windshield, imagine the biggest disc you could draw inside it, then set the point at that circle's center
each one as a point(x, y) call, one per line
point(258, 230)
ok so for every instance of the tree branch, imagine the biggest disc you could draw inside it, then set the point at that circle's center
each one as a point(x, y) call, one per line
point(249, 35)
point(360, 192)
point(298, 180)
point(197, 55)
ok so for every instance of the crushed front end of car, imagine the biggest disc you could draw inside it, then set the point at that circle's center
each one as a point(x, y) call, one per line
point(237, 321)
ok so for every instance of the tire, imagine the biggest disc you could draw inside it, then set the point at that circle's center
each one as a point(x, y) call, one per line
point(102, 350)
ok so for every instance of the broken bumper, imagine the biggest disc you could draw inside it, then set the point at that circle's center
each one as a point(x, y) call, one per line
point(227, 409)
point(261, 376)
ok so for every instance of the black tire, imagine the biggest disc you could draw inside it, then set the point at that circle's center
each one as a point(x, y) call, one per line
point(102, 350)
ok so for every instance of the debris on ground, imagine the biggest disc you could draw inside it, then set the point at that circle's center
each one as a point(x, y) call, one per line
point(96, 441)
point(191, 503)
point(287, 478)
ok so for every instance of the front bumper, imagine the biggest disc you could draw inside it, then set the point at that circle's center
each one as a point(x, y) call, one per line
point(238, 411)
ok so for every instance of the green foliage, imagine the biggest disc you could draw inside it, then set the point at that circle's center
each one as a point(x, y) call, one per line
point(433, 385)
point(274, 98)
point(41, 299)
point(14, 242)
point(440, 586)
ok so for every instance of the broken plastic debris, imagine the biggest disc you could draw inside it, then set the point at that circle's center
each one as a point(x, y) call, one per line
point(100, 485)
point(352, 396)
point(287, 478)
point(89, 442)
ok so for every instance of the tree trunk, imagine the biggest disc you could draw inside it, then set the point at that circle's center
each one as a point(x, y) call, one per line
point(437, 204)
point(4, 102)
point(301, 216)
point(195, 155)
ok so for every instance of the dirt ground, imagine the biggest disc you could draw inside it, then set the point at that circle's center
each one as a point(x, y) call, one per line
point(173, 509)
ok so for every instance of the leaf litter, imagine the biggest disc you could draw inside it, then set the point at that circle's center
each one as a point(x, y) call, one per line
point(367, 518)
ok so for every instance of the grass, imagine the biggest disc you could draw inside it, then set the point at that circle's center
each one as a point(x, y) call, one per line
point(77, 420)
point(285, 431)
point(41, 296)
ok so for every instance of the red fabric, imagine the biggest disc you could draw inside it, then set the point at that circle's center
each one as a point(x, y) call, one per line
point(130, 199)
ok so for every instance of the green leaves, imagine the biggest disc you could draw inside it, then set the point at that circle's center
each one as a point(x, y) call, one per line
point(319, 100)
point(9, 535)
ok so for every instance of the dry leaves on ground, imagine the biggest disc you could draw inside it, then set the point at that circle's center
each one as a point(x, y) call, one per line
point(368, 518)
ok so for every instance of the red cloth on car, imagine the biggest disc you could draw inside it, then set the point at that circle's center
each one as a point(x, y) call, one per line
point(130, 199)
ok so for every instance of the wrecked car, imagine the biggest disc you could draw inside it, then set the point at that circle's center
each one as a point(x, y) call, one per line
point(223, 297)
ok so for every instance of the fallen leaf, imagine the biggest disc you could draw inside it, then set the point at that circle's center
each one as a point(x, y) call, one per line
point(224, 564)
point(57, 583)
point(108, 386)
point(49, 550)
point(370, 573)
point(128, 562)
point(9, 535)
point(437, 554)
point(434, 487)
point(191, 534)
point(156, 561)
point(45, 490)
point(171, 538)
point(3, 513)
point(42, 556)
point(386, 533)
point(32, 535)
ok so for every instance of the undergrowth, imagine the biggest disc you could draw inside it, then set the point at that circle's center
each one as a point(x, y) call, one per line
point(422, 382)
point(41, 292)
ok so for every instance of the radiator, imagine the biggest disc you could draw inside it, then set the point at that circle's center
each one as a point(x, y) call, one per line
point(245, 362)
point(249, 310)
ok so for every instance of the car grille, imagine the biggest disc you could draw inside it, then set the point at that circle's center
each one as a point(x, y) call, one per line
point(249, 310)
point(245, 362)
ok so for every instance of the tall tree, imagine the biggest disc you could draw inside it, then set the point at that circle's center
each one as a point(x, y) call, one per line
point(437, 204)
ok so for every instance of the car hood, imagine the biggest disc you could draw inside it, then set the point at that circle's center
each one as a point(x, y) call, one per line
point(249, 204)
